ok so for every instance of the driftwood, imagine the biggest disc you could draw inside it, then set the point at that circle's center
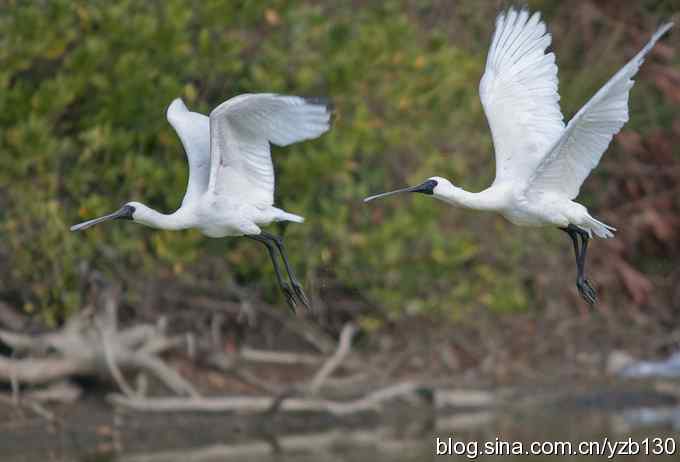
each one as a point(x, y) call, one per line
point(444, 399)
point(374, 401)
point(305, 398)
point(344, 346)
point(92, 345)
point(278, 357)
point(38, 371)
point(249, 404)
point(299, 399)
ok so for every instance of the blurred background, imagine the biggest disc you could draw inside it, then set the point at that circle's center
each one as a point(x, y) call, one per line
point(83, 91)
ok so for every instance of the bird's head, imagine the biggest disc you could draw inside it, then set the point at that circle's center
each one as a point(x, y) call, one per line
point(129, 211)
point(435, 186)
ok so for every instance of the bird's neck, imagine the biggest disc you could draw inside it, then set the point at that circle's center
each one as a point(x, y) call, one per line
point(484, 200)
point(173, 221)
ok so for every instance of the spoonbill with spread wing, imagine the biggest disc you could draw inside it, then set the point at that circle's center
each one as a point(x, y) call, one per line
point(231, 177)
point(540, 162)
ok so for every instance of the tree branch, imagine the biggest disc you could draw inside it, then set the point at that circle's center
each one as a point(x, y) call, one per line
point(258, 404)
point(344, 347)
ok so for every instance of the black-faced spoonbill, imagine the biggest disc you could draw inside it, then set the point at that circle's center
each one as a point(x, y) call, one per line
point(231, 177)
point(540, 163)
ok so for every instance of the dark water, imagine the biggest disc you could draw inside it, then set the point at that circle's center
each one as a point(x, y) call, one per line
point(101, 436)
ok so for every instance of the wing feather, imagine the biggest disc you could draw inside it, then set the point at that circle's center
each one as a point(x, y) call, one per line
point(241, 129)
point(194, 132)
point(579, 149)
point(519, 94)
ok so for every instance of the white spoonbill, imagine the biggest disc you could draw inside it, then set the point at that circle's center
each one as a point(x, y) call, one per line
point(540, 162)
point(231, 177)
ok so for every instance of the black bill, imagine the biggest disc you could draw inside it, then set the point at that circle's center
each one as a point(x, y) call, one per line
point(124, 213)
point(424, 188)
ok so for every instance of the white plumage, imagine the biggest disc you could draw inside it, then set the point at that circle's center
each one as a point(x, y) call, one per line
point(519, 94)
point(240, 132)
point(230, 191)
point(194, 132)
point(579, 148)
point(540, 163)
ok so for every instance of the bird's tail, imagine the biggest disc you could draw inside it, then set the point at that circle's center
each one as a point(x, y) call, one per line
point(285, 216)
point(598, 228)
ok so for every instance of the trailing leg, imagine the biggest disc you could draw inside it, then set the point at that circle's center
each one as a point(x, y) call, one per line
point(586, 290)
point(285, 288)
point(297, 287)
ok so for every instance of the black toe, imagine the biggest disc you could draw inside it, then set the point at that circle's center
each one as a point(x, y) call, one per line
point(587, 292)
point(290, 298)
point(300, 292)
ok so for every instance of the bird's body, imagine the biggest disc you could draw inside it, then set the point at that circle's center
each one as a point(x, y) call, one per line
point(509, 199)
point(230, 191)
point(214, 217)
point(541, 163)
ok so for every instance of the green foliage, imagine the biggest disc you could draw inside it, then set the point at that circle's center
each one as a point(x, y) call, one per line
point(83, 89)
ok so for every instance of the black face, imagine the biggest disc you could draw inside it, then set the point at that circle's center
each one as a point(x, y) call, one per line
point(124, 213)
point(425, 188)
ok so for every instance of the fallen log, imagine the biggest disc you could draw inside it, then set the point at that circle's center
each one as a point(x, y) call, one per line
point(36, 371)
point(259, 404)
point(92, 345)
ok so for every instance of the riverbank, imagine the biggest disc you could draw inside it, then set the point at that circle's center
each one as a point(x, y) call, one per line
point(482, 372)
point(90, 430)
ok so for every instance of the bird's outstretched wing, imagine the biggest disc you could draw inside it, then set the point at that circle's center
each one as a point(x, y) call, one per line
point(579, 149)
point(241, 129)
point(194, 131)
point(519, 94)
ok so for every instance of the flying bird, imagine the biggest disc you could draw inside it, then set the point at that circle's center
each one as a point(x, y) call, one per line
point(230, 191)
point(541, 163)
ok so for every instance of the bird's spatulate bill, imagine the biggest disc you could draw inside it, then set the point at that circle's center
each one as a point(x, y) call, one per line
point(425, 188)
point(124, 212)
point(389, 193)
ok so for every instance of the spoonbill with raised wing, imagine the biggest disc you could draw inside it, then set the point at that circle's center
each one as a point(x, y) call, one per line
point(541, 163)
point(231, 177)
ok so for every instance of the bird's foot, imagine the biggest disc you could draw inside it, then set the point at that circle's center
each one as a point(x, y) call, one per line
point(290, 297)
point(586, 290)
point(300, 292)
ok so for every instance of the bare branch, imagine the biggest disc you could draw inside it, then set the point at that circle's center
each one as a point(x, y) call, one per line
point(38, 371)
point(249, 404)
point(277, 357)
point(165, 374)
point(90, 344)
point(344, 346)
point(59, 392)
point(113, 367)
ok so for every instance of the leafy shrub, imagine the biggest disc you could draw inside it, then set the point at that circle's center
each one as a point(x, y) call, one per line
point(83, 90)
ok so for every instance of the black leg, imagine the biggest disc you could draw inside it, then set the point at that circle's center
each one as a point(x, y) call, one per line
point(285, 288)
point(297, 287)
point(574, 239)
point(586, 290)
